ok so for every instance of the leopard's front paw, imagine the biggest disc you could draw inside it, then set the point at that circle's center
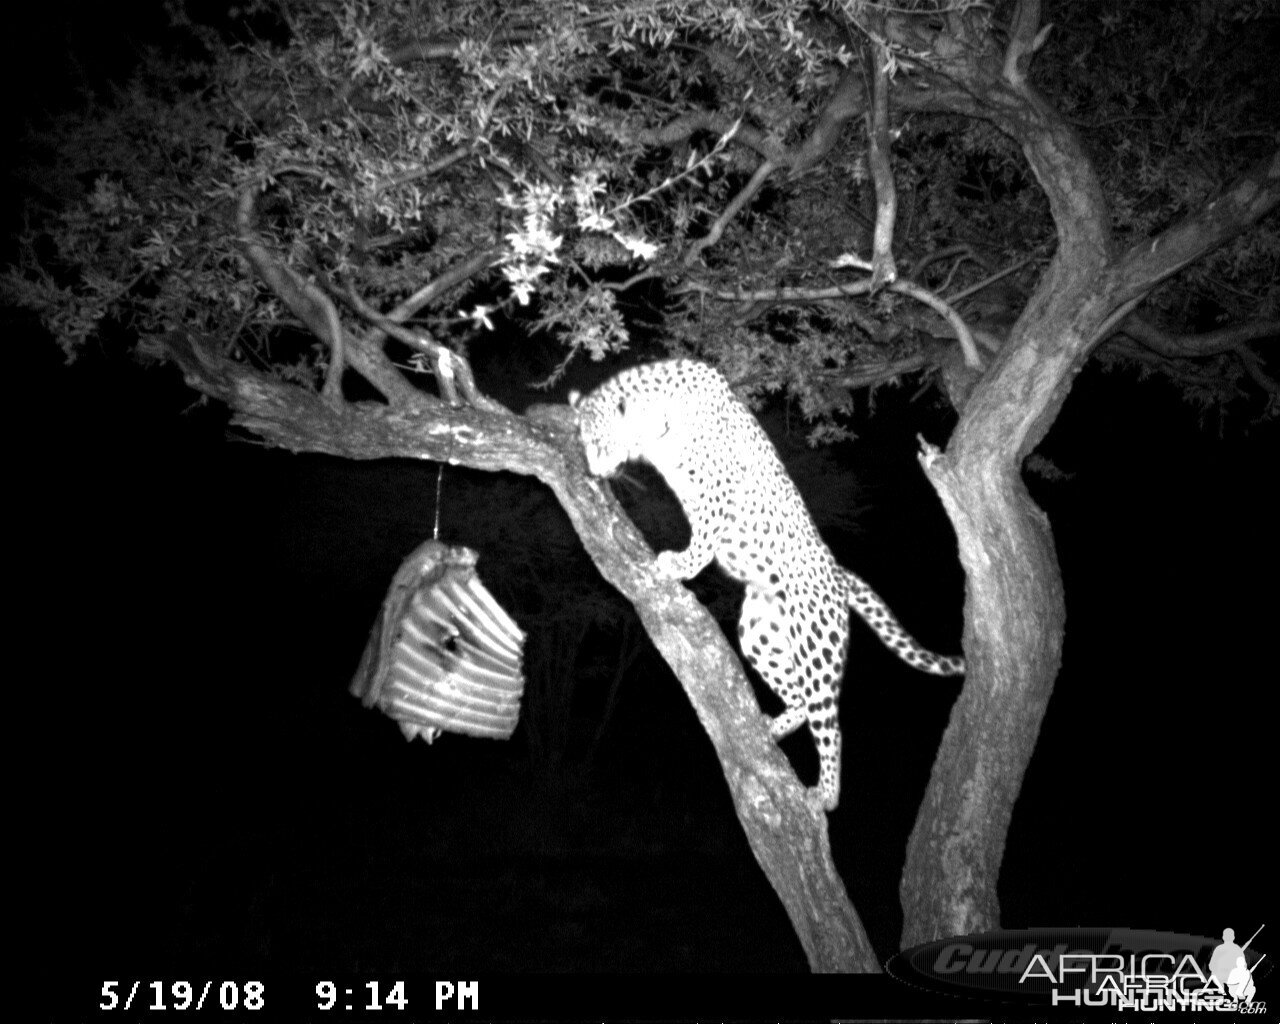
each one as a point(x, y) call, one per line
point(667, 566)
point(820, 801)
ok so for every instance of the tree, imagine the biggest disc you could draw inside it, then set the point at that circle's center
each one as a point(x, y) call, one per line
point(315, 211)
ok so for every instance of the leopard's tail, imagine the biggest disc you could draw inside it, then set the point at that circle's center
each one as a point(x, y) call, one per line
point(869, 605)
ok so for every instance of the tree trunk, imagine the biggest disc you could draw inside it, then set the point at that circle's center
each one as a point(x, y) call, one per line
point(787, 835)
point(1015, 615)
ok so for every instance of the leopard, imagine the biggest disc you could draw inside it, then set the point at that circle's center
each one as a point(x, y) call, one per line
point(744, 512)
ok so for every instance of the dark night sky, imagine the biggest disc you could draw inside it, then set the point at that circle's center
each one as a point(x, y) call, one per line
point(204, 793)
point(196, 607)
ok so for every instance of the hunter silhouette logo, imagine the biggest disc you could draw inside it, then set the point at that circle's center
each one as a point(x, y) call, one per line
point(1229, 969)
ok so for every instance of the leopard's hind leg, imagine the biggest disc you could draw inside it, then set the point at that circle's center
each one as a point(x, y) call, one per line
point(802, 661)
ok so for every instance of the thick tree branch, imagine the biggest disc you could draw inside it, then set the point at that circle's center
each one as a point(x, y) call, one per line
point(1177, 345)
point(682, 128)
point(308, 303)
point(841, 291)
point(768, 797)
point(318, 314)
point(870, 374)
point(732, 210)
point(1251, 197)
point(883, 270)
point(1173, 353)
point(1025, 38)
point(966, 74)
point(452, 371)
point(847, 101)
point(317, 311)
point(461, 271)
point(944, 309)
point(1208, 376)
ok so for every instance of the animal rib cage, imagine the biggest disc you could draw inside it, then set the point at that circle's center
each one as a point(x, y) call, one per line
point(443, 656)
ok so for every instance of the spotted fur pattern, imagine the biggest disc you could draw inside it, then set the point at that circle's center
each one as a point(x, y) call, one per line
point(744, 511)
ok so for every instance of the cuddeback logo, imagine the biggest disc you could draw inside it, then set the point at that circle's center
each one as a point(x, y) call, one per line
point(1120, 968)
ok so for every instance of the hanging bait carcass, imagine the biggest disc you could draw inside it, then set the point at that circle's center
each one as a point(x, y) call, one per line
point(443, 656)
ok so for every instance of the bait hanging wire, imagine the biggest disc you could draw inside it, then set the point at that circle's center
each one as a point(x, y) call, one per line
point(435, 530)
point(443, 656)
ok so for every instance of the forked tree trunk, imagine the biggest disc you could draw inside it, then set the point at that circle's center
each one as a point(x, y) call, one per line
point(1015, 615)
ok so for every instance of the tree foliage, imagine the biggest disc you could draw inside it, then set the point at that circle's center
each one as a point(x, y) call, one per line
point(585, 155)
point(310, 206)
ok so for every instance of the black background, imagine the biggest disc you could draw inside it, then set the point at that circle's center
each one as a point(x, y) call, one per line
point(194, 790)
point(202, 791)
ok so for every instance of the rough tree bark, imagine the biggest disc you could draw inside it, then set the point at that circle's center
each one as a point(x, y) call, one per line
point(1015, 614)
point(787, 835)
point(1014, 609)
